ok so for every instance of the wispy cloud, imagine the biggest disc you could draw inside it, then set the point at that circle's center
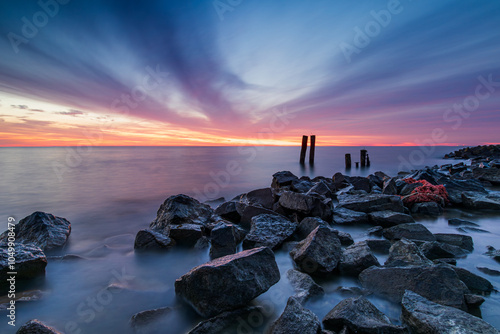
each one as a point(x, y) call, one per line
point(71, 112)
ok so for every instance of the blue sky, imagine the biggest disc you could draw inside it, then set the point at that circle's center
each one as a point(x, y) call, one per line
point(216, 72)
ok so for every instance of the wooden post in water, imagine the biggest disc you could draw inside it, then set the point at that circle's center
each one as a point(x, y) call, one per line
point(303, 150)
point(348, 163)
point(357, 164)
point(367, 160)
point(312, 149)
point(363, 158)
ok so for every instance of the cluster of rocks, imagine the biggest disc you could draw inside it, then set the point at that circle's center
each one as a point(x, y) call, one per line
point(420, 271)
point(478, 152)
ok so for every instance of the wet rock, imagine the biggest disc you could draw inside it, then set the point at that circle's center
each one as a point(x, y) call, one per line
point(319, 253)
point(406, 253)
point(296, 319)
point(437, 283)
point(474, 283)
point(259, 197)
point(455, 188)
point(269, 231)
point(462, 241)
point(376, 231)
point(461, 222)
point(304, 285)
point(489, 271)
point(344, 237)
point(225, 321)
point(424, 316)
point(301, 186)
point(467, 229)
point(283, 179)
point(349, 217)
point(426, 174)
point(409, 231)
point(321, 188)
point(372, 203)
point(359, 316)
point(186, 234)
point(223, 240)
point(390, 187)
point(247, 212)
point(436, 250)
point(229, 211)
point(479, 201)
point(307, 225)
point(152, 241)
point(306, 205)
point(229, 282)
point(445, 261)
point(30, 263)
point(41, 229)
point(181, 210)
point(36, 327)
point(379, 245)
point(389, 218)
point(148, 317)
point(432, 209)
point(357, 258)
point(473, 301)
point(409, 187)
point(361, 183)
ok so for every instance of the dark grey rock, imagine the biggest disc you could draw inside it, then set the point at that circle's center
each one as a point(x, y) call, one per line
point(424, 316)
point(180, 210)
point(36, 327)
point(319, 253)
point(361, 183)
point(437, 250)
point(437, 283)
point(41, 229)
point(409, 231)
point(186, 234)
point(283, 179)
point(389, 218)
point(357, 258)
point(473, 301)
point(462, 241)
point(432, 209)
point(479, 201)
point(224, 322)
point(377, 231)
point(229, 211)
point(466, 229)
point(455, 188)
point(474, 283)
point(145, 318)
point(379, 245)
point(359, 316)
point(390, 187)
point(304, 285)
point(269, 231)
point(344, 237)
point(349, 217)
point(223, 240)
point(306, 205)
point(229, 282)
point(152, 241)
point(307, 225)
point(295, 319)
point(321, 188)
point(247, 212)
point(371, 203)
point(259, 197)
point(30, 263)
point(406, 253)
point(493, 253)
point(488, 271)
point(461, 222)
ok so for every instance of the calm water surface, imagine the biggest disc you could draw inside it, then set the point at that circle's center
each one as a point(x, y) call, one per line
point(110, 193)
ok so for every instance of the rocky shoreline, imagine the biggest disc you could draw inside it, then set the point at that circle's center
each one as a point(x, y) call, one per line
point(306, 216)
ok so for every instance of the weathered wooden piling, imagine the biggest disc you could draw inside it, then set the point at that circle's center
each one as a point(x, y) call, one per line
point(363, 158)
point(312, 149)
point(303, 150)
point(348, 163)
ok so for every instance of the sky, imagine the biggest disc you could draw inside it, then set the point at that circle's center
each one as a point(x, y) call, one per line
point(240, 72)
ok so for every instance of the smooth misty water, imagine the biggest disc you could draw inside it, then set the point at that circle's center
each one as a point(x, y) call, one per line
point(109, 194)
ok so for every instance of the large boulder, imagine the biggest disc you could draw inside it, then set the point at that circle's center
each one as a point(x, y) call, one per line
point(268, 231)
point(437, 283)
point(319, 253)
point(229, 282)
point(359, 316)
point(436, 250)
point(186, 234)
point(229, 211)
point(295, 319)
point(349, 217)
point(460, 240)
point(223, 240)
point(30, 262)
point(357, 258)
point(409, 231)
point(424, 316)
point(283, 179)
point(474, 283)
point(227, 321)
point(41, 229)
point(306, 205)
point(303, 285)
point(179, 210)
point(323, 189)
point(36, 327)
point(371, 203)
point(406, 253)
point(259, 197)
point(389, 218)
point(152, 240)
